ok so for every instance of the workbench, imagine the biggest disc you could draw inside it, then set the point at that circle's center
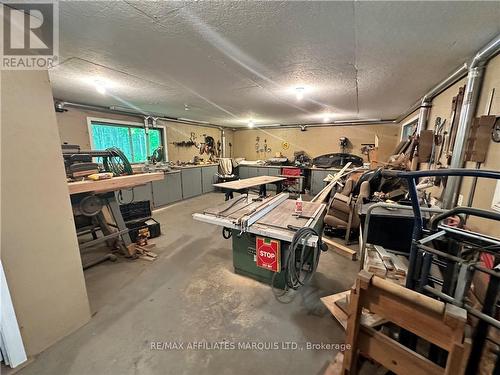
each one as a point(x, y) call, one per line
point(244, 185)
point(113, 184)
point(115, 234)
point(249, 218)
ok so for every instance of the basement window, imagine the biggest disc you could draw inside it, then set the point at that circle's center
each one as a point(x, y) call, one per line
point(408, 130)
point(130, 138)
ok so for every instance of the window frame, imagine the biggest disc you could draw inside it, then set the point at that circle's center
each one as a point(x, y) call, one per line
point(129, 124)
point(411, 122)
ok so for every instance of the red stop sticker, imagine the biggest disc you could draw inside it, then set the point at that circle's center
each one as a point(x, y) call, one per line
point(268, 254)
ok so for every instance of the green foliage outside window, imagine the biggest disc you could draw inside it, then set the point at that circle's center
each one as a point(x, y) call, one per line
point(130, 139)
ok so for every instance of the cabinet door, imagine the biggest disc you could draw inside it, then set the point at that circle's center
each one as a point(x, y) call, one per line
point(174, 187)
point(317, 182)
point(143, 193)
point(253, 172)
point(261, 171)
point(272, 172)
point(136, 194)
point(208, 177)
point(243, 171)
point(191, 182)
point(168, 190)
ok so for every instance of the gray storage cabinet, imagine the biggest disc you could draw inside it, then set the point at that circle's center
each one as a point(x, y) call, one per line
point(168, 190)
point(208, 178)
point(272, 171)
point(191, 182)
point(243, 171)
point(136, 194)
point(253, 172)
point(317, 177)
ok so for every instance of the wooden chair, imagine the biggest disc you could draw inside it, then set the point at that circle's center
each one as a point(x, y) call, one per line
point(438, 323)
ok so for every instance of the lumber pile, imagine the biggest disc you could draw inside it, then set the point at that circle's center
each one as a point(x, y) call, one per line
point(142, 251)
point(380, 262)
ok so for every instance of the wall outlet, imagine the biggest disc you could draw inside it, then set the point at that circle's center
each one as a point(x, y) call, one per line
point(460, 200)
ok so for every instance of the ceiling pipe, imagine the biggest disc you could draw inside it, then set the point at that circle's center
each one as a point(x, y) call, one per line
point(423, 104)
point(142, 116)
point(317, 125)
point(426, 101)
point(468, 111)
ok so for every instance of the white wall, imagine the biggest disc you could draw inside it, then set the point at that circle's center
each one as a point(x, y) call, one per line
point(39, 248)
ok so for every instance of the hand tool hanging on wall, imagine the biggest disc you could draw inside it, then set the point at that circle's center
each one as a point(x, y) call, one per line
point(456, 108)
point(437, 146)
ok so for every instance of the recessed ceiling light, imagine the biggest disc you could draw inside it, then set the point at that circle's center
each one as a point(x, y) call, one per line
point(251, 123)
point(186, 107)
point(299, 93)
point(101, 89)
point(327, 116)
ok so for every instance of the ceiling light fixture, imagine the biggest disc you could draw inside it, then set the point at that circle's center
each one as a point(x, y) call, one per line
point(100, 88)
point(299, 93)
point(326, 118)
point(251, 123)
point(186, 107)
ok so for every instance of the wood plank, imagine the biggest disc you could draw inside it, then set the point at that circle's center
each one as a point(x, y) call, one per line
point(341, 249)
point(374, 264)
point(323, 194)
point(411, 316)
point(113, 184)
point(338, 305)
point(385, 256)
point(248, 183)
point(394, 356)
point(399, 267)
point(339, 314)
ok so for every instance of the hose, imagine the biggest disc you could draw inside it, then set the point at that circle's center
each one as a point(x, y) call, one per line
point(300, 264)
point(226, 233)
point(116, 162)
point(157, 155)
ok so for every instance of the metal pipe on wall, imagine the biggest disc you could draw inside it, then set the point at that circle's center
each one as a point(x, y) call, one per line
point(426, 102)
point(98, 108)
point(468, 111)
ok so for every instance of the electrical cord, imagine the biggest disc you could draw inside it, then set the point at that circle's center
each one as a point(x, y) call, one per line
point(116, 162)
point(301, 261)
point(226, 233)
point(120, 196)
point(157, 155)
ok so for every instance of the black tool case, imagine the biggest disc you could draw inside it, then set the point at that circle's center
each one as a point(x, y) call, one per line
point(138, 215)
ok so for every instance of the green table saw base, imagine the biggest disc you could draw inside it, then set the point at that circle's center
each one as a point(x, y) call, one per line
point(244, 260)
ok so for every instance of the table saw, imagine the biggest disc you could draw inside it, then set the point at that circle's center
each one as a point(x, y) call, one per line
point(271, 242)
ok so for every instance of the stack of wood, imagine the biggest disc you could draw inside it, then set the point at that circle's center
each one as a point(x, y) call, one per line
point(384, 264)
point(142, 252)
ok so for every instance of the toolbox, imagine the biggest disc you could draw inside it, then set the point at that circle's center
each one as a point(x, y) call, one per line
point(137, 216)
point(152, 225)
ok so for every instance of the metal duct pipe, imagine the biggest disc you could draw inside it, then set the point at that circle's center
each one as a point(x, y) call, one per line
point(468, 111)
point(426, 102)
point(98, 108)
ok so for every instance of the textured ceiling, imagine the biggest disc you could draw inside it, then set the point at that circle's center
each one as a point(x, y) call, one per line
point(235, 61)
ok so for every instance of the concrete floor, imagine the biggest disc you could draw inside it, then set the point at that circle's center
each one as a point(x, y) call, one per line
point(190, 293)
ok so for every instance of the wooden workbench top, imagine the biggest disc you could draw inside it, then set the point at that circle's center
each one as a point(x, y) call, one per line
point(113, 184)
point(249, 182)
